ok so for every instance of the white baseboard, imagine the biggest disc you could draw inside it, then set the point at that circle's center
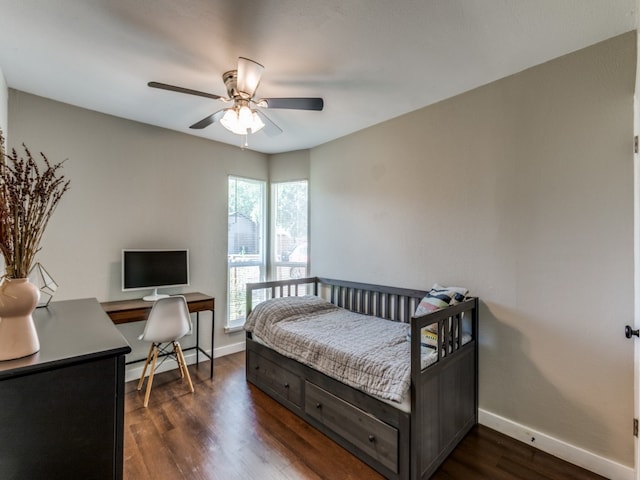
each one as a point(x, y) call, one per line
point(229, 349)
point(134, 370)
point(570, 453)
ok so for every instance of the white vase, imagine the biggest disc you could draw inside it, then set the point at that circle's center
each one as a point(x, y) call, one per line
point(18, 335)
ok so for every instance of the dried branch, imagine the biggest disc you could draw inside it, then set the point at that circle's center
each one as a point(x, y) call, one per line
point(29, 194)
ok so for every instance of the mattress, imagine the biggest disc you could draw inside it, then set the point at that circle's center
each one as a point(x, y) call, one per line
point(367, 353)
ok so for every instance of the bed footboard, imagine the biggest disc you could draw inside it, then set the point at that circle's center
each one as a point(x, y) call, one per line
point(444, 394)
point(444, 404)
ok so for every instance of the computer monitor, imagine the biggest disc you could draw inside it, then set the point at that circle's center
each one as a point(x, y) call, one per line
point(144, 269)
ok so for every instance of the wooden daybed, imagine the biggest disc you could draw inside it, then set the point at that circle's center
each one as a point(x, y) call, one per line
point(400, 443)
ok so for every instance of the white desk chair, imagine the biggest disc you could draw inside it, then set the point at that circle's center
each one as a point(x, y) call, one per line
point(168, 321)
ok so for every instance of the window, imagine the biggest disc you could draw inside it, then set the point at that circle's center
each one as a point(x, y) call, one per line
point(246, 257)
point(290, 214)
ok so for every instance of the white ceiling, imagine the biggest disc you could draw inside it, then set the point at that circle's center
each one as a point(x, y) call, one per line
point(371, 60)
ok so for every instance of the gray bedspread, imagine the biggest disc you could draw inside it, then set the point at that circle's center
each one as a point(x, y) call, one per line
point(368, 353)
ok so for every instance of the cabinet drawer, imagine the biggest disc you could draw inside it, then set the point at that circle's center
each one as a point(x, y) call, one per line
point(372, 436)
point(270, 375)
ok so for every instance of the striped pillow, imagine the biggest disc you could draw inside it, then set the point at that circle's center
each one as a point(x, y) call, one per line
point(457, 294)
point(440, 297)
point(428, 339)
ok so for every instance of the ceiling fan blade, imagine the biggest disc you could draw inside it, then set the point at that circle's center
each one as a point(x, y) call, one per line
point(205, 122)
point(249, 73)
point(293, 103)
point(270, 128)
point(173, 88)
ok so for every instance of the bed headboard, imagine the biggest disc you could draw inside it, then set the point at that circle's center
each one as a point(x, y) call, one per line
point(392, 303)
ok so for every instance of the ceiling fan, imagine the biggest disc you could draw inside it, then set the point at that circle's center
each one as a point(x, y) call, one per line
point(242, 118)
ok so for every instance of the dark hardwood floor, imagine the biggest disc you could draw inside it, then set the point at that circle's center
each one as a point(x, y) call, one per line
point(229, 430)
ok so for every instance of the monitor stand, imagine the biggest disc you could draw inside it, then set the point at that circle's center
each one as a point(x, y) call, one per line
point(154, 296)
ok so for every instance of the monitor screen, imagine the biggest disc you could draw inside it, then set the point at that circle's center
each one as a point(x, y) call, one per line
point(144, 269)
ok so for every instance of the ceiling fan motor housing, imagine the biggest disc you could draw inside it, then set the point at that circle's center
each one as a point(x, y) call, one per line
point(230, 80)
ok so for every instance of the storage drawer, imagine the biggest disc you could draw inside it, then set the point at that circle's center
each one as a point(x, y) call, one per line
point(372, 436)
point(270, 375)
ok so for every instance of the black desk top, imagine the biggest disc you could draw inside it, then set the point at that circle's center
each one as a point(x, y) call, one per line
point(70, 331)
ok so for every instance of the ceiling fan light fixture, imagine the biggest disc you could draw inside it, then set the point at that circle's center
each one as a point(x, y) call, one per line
point(244, 117)
point(230, 121)
point(256, 122)
point(241, 121)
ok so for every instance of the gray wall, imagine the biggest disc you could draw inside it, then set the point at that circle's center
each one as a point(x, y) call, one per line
point(522, 191)
point(289, 166)
point(132, 186)
point(4, 95)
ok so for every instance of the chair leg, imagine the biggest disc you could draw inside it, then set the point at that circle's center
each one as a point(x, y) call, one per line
point(153, 369)
point(144, 369)
point(181, 365)
point(186, 371)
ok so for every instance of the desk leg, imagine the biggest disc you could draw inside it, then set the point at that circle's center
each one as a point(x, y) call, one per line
point(213, 328)
point(198, 349)
point(197, 338)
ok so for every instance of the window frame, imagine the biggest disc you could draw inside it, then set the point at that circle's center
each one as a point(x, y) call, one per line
point(237, 324)
point(274, 263)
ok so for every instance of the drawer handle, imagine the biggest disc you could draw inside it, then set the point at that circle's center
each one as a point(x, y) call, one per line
point(318, 405)
point(257, 367)
point(286, 385)
point(372, 438)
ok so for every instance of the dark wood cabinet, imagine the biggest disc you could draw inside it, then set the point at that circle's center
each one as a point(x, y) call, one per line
point(62, 409)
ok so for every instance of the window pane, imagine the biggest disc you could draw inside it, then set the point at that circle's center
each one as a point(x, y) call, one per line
point(246, 257)
point(290, 212)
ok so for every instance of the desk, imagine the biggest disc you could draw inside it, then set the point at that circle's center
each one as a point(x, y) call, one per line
point(126, 311)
